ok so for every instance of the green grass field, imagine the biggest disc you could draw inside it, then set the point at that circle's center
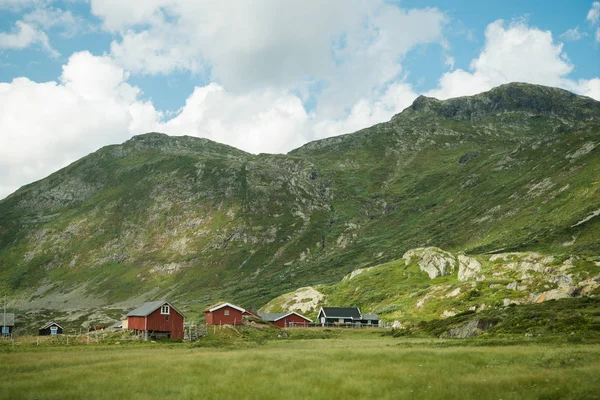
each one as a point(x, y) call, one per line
point(349, 365)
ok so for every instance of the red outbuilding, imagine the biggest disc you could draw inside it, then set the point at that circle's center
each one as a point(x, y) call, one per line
point(156, 319)
point(224, 314)
point(286, 320)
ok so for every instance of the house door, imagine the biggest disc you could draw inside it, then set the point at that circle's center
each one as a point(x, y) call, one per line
point(5, 330)
point(53, 330)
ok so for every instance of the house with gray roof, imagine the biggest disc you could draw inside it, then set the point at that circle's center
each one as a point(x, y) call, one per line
point(156, 319)
point(346, 316)
point(7, 323)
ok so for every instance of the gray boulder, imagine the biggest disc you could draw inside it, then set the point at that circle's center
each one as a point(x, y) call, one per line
point(432, 260)
point(468, 268)
point(470, 329)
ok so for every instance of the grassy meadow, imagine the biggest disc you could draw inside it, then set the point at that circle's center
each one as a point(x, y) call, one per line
point(349, 364)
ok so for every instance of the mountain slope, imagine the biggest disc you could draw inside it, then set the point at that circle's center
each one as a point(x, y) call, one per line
point(513, 169)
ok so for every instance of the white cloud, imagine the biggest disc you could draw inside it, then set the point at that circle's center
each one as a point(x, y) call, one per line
point(244, 46)
point(593, 15)
point(585, 87)
point(23, 36)
point(19, 4)
point(48, 18)
point(514, 52)
point(371, 59)
point(259, 121)
point(573, 34)
point(265, 42)
point(593, 18)
point(366, 112)
point(449, 61)
point(144, 52)
point(39, 18)
point(338, 55)
point(119, 15)
point(45, 126)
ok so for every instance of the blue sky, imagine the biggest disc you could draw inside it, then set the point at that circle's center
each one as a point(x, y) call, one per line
point(266, 76)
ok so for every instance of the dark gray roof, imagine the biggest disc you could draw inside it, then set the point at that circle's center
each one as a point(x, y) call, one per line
point(272, 317)
point(371, 317)
point(10, 319)
point(341, 312)
point(148, 308)
point(49, 324)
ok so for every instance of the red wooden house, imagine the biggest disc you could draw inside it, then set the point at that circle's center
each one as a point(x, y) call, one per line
point(286, 320)
point(224, 314)
point(156, 319)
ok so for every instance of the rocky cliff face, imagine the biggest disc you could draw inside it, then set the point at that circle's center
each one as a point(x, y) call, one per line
point(513, 169)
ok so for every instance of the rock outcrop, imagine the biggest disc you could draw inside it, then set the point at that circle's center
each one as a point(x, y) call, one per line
point(472, 328)
point(302, 300)
point(432, 260)
point(468, 268)
point(437, 262)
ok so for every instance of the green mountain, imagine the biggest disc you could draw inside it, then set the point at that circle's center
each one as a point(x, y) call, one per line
point(515, 169)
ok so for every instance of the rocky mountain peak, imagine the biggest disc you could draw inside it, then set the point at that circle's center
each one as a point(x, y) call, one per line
point(509, 98)
point(179, 145)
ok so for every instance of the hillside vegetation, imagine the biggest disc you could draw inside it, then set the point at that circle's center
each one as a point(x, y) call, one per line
point(515, 169)
point(430, 283)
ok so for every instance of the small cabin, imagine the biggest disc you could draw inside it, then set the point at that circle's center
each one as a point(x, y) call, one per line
point(339, 315)
point(224, 314)
point(7, 324)
point(286, 320)
point(156, 319)
point(51, 329)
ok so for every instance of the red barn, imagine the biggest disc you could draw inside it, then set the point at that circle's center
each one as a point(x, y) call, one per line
point(156, 319)
point(286, 320)
point(224, 314)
